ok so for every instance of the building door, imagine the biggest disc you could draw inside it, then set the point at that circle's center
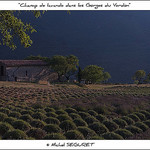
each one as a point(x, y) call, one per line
point(2, 70)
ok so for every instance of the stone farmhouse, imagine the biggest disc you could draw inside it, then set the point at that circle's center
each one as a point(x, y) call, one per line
point(25, 70)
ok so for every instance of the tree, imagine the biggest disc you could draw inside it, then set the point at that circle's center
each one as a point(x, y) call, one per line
point(58, 64)
point(39, 57)
point(147, 79)
point(79, 74)
point(71, 67)
point(93, 73)
point(106, 76)
point(64, 65)
point(12, 28)
point(139, 76)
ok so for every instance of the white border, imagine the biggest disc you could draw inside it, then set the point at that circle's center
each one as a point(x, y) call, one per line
point(74, 5)
point(75, 144)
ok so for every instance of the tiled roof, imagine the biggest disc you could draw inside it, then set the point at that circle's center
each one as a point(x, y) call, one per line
point(17, 63)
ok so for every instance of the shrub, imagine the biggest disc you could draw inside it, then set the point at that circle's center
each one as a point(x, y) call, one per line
point(96, 138)
point(112, 136)
point(15, 114)
point(134, 129)
point(15, 135)
point(39, 115)
point(10, 120)
point(87, 132)
point(36, 133)
point(128, 120)
point(51, 114)
point(70, 110)
point(111, 125)
point(51, 128)
point(80, 122)
point(101, 117)
point(26, 118)
point(90, 119)
point(48, 109)
point(40, 111)
point(5, 110)
point(37, 123)
point(124, 133)
point(120, 122)
point(140, 115)
point(21, 125)
point(147, 122)
point(101, 109)
point(98, 128)
point(84, 114)
point(141, 125)
point(63, 117)
point(93, 113)
point(2, 116)
point(52, 120)
point(146, 113)
point(74, 116)
point(4, 127)
point(61, 112)
point(134, 117)
point(67, 125)
point(54, 136)
point(30, 112)
point(74, 135)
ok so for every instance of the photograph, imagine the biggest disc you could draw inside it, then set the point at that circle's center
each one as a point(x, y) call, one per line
point(75, 75)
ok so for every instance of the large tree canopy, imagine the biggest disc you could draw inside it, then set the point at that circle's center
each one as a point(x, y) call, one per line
point(93, 73)
point(139, 75)
point(13, 28)
point(64, 65)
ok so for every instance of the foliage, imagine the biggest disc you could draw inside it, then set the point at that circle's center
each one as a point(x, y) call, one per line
point(139, 76)
point(112, 136)
point(93, 74)
point(26, 118)
point(12, 28)
point(36, 133)
point(124, 133)
point(37, 123)
point(87, 132)
point(52, 120)
point(90, 119)
point(134, 129)
point(64, 65)
point(15, 114)
point(80, 122)
point(63, 117)
point(67, 125)
point(128, 120)
point(54, 136)
point(134, 117)
point(79, 74)
point(92, 113)
point(106, 76)
point(100, 117)
point(15, 134)
point(4, 127)
point(99, 128)
point(10, 120)
point(74, 116)
point(74, 135)
point(22, 125)
point(111, 125)
point(51, 128)
point(2, 116)
point(120, 122)
point(141, 125)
